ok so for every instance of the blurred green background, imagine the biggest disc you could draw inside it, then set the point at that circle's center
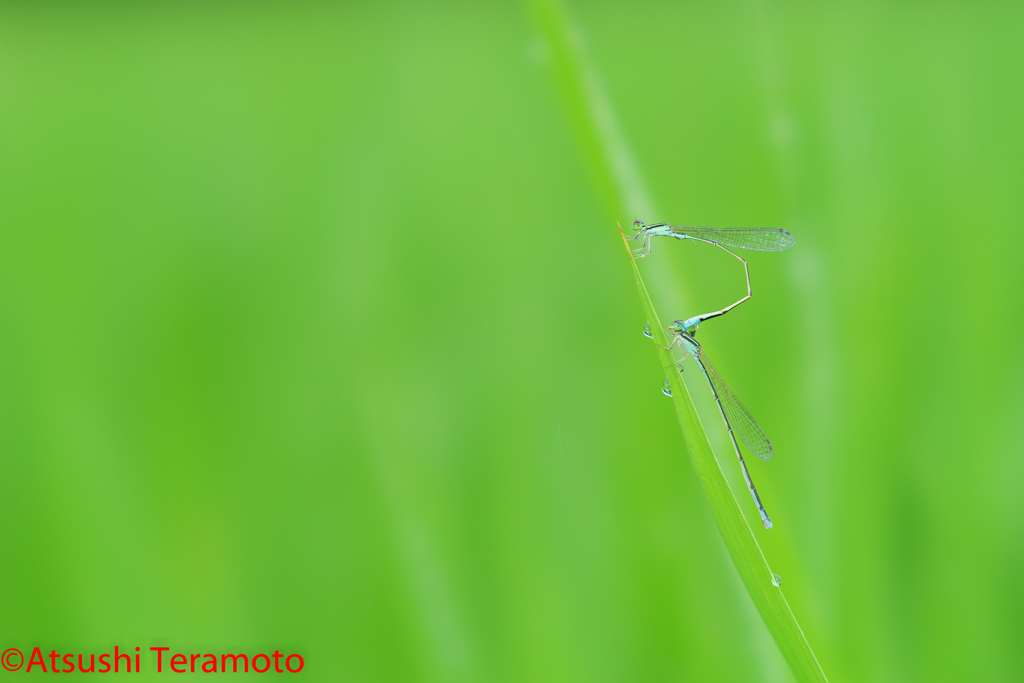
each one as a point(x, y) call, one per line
point(315, 337)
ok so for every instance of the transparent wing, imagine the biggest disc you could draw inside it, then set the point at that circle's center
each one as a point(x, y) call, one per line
point(742, 422)
point(752, 239)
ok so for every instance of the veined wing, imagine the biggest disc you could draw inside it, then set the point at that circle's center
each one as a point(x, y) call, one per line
point(752, 239)
point(742, 422)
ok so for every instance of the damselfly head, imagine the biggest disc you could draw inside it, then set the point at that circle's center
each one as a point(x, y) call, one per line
point(689, 326)
point(638, 225)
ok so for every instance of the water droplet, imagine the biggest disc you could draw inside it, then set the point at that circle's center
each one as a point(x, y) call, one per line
point(666, 388)
point(776, 580)
point(647, 331)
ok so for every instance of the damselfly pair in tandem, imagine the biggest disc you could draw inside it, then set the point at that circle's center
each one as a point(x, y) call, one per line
point(737, 419)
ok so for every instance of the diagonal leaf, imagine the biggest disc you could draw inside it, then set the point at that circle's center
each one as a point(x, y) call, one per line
point(732, 525)
point(616, 177)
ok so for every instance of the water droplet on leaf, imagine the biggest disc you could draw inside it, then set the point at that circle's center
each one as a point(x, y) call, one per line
point(666, 388)
point(776, 580)
point(647, 331)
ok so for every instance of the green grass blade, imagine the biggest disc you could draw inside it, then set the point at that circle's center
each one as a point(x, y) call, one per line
point(616, 177)
point(732, 525)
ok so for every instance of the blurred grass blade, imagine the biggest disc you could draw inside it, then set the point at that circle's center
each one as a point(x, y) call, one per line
point(608, 158)
point(732, 525)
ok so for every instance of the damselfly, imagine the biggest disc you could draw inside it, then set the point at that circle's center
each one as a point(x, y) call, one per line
point(751, 239)
point(738, 419)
